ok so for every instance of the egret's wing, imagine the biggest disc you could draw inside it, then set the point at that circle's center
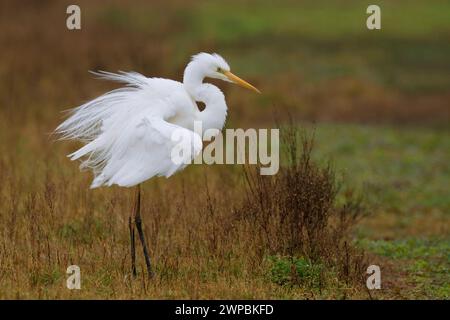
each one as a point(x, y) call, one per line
point(144, 148)
point(128, 139)
point(159, 96)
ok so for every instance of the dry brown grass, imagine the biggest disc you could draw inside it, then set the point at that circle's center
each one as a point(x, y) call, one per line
point(208, 238)
point(49, 219)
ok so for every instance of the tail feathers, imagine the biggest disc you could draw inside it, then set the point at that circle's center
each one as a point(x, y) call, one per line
point(90, 147)
point(134, 79)
point(98, 181)
point(85, 121)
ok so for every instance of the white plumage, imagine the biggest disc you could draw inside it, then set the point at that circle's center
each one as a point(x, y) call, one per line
point(128, 131)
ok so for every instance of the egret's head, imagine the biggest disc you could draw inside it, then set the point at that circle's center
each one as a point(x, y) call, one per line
point(214, 66)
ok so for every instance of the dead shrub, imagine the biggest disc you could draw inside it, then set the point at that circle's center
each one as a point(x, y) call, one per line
point(295, 213)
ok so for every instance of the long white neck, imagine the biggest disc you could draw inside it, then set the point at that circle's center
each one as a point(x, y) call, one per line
point(215, 112)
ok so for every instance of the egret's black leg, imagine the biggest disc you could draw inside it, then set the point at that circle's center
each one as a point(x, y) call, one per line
point(133, 246)
point(138, 222)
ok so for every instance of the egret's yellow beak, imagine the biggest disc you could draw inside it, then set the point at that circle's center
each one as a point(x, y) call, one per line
point(239, 81)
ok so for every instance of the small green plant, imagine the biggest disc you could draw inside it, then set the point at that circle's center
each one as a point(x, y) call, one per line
point(295, 271)
point(46, 277)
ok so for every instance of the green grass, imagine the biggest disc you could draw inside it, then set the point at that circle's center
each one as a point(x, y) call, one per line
point(403, 174)
point(234, 20)
point(321, 40)
point(399, 169)
point(294, 271)
point(426, 263)
point(314, 40)
point(412, 248)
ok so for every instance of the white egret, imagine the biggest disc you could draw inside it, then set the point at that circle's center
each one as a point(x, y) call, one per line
point(128, 131)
